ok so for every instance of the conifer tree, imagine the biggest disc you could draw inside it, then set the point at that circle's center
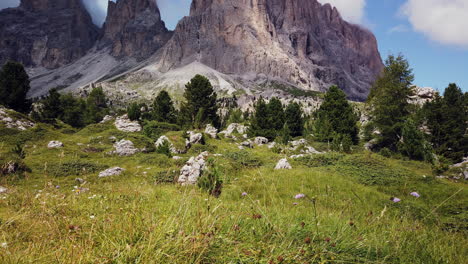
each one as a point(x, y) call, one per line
point(14, 87)
point(199, 94)
point(163, 108)
point(96, 106)
point(336, 116)
point(389, 98)
point(275, 114)
point(51, 106)
point(260, 125)
point(294, 119)
point(134, 112)
point(413, 144)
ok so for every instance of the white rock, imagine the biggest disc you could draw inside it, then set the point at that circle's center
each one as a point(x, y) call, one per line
point(247, 144)
point(297, 156)
point(124, 148)
point(106, 119)
point(272, 145)
point(3, 189)
point(211, 130)
point(55, 144)
point(194, 138)
point(176, 158)
point(261, 141)
point(193, 169)
point(283, 164)
point(111, 172)
point(9, 122)
point(161, 141)
point(123, 123)
point(234, 128)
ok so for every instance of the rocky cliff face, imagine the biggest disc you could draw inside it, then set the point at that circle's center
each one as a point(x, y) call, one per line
point(134, 28)
point(300, 42)
point(47, 33)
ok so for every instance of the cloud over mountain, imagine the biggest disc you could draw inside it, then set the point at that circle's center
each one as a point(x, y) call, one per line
point(442, 21)
point(350, 10)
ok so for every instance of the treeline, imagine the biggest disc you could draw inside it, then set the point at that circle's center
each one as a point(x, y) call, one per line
point(397, 126)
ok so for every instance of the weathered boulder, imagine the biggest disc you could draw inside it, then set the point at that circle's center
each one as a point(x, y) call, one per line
point(261, 140)
point(3, 189)
point(55, 144)
point(125, 148)
point(194, 138)
point(193, 169)
point(123, 123)
point(247, 144)
point(283, 164)
point(115, 171)
point(211, 130)
point(272, 145)
point(234, 128)
point(106, 119)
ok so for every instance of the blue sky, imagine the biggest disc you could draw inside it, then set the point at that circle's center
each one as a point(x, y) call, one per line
point(432, 34)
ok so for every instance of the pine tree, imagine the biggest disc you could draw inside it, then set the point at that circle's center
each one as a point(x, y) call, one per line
point(336, 116)
point(275, 114)
point(72, 111)
point(260, 125)
point(389, 98)
point(163, 108)
point(413, 144)
point(199, 94)
point(96, 106)
point(134, 112)
point(455, 145)
point(14, 87)
point(294, 119)
point(51, 106)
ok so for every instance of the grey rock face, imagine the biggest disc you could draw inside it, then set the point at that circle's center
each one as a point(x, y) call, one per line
point(212, 131)
point(134, 28)
point(115, 171)
point(300, 42)
point(47, 33)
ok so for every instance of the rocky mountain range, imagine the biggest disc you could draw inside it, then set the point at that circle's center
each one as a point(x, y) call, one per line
point(243, 46)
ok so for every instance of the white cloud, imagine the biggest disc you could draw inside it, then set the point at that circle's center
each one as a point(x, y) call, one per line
point(444, 21)
point(398, 29)
point(350, 10)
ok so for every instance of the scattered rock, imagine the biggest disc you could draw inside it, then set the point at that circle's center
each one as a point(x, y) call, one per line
point(272, 145)
point(176, 158)
point(20, 124)
point(194, 138)
point(113, 139)
point(261, 141)
point(283, 164)
point(461, 164)
point(111, 172)
point(211, 130)
point(80, 180)
point(234, 128)
point(55, 144)
point(123, 123)
point(247, 144)
point(297, 156)
point(3, 189)
point(124, 148)
point(193, 169)
point(297, 143)
point(370, 145)
point(106, 119)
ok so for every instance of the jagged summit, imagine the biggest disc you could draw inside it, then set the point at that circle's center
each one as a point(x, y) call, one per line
point(134, 28)
point(46, 33)
point(301, 42)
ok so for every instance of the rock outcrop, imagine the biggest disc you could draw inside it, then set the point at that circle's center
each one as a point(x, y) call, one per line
point(134, 28)
point(193, 169)
point(283, 164)
point(46, 33)
point(124, 148)
point(115, 171)
point(10, 121)
point(301, 43)
point(211, 130)
point(124, 124)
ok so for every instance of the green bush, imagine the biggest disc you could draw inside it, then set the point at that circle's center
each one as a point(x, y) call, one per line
point(74, 168)
point(385, 152)
point(154, 129)
point(164, 148)
point(211, 181)
point(134, 112)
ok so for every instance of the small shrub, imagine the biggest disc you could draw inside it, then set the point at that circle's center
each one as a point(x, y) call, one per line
point(210, 181)
point(385, 152)
point(154, 129)
point(134, 112)
point(74, 168)
point(19, 151)
point(164, 148)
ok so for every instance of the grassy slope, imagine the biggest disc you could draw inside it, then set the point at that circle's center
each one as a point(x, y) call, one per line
point(136, 218)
